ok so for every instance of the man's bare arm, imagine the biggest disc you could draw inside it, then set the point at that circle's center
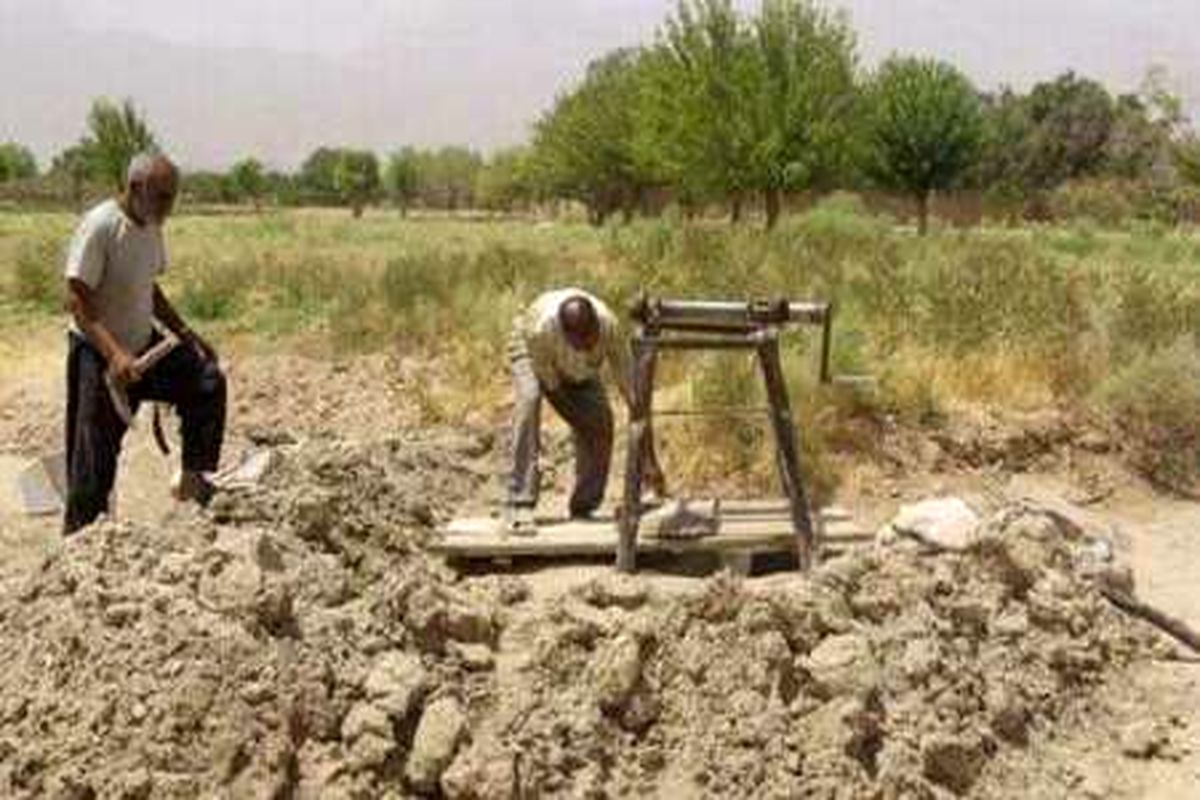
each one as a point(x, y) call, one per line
point(82, 305)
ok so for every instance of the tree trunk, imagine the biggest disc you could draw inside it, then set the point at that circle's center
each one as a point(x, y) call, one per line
point(922, 213)
point(773, 199)
point(356, 209)
point(643, 201)
point(735, 210)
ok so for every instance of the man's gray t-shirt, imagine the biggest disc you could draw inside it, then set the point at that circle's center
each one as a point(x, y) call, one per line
point(120, 261)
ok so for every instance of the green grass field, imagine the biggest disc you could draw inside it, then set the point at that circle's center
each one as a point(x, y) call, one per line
point(1082, 318)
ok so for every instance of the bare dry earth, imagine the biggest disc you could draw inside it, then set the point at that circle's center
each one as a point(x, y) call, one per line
point(1137, 734)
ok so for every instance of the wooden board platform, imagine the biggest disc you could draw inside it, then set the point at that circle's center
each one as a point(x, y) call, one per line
point(744, 527)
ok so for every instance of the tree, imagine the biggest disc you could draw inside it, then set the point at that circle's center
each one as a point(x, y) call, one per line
point(402, 178)
point(1072, 120)
point(450, 177)
point(16, 163)
point(1003, 170)
point(924, 128)
point(503, 182)
point(318, 175)
point(694, 120)
point(116, 135)
point(248, 180)
point(802, 99)
point(356, 178)
point(1187, 159)
point(1145, 127)
point(75, 166)
point(584, 147)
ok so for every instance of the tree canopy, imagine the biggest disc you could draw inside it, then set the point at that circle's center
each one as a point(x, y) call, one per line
point(923, 128)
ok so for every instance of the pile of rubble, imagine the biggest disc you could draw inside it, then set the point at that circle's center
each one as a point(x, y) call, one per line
point(296, 641)
point(898, 672)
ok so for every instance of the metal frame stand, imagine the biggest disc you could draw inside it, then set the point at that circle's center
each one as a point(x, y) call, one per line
point(697, 325)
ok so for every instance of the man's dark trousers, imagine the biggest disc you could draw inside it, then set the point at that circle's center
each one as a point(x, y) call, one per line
point(185, 380)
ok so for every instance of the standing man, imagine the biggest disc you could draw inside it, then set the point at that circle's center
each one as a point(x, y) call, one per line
point(558, 348)
point(112, 272)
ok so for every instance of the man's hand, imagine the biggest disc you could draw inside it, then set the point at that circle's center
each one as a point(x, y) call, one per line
point(123, 367)
point(166, 313)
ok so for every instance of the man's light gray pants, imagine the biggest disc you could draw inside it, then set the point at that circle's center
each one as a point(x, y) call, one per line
point(585, 408)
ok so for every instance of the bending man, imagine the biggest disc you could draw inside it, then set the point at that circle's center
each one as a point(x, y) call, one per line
point(112, 274)
point(559, 346)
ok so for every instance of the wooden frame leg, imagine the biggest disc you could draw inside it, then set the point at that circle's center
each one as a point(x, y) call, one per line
point(788, 457)
point(645, 356)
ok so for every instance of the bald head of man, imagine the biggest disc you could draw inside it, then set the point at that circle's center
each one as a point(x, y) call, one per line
point(580, 323)
point(151, 184)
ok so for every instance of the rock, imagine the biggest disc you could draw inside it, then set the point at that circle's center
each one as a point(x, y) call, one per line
point(847, 725)
point(953, 762)
point(469, 623)
point(1009, 716)
point(941, 524)
point(623, 591)
point(920, 660)
point(233, 587)
point(438, 736)
point(1012, 623)
point(118, 615)
point(512, 590)
point(1094, 441)
point(370, 752)
point(841, 664)
point(470, 777)
point(616, 670)
point(640, 712)
point(475, 657)
point(396, 683)
point(267, 554)
point(365, 718)
point(274, 610)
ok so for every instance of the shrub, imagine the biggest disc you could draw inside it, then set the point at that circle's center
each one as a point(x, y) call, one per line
point(37, 276)
point(1155, 402)
point(1111, 203)
point(215, 290)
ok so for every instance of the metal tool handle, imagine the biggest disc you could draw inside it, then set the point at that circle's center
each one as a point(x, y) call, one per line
point(158, 352)
point(664, 312)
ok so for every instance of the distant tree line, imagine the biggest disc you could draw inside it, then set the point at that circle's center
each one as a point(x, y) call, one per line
point(448, 178)
point(734, 111)
point(726, 108)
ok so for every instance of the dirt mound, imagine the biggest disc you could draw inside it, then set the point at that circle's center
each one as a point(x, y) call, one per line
point(278, 647)
point(296, 641)
point(891, 674)
point(365, 501)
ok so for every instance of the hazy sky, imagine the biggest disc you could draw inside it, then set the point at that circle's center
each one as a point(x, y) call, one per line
point(220, 79)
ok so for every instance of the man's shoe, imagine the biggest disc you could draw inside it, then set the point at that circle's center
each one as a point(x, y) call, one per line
point(194, 486)
point(652, 498)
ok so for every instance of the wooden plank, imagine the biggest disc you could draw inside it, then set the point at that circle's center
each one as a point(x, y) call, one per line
point(758, 530)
